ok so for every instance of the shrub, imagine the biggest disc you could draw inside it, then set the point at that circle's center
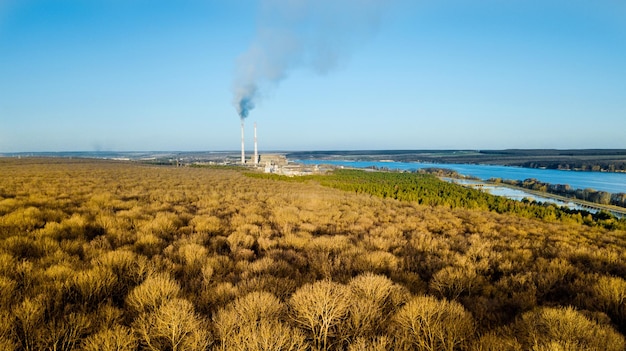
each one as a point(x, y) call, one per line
point(7, 291)
point(190, 259)
point(379, 343)
point(207, 224)
point(117, 338)
point(8, 205)
point(373, 299)
point(173, 326)
point(23, 247)
point(426, 323)
point(254, 322)
point(7, 326)
point(239, 240)
point(248, 310)
point(127, 266)
point(565, 328)
point(492, 341)
point(206, 273)
point(149, 244)
point(452, 282)
point(70, 229)
point(23, 220)
point(66, 332)
point(164, 225)
point(516, 293)
point(93, 286)
point(26, 275)
point(609, 295)
point(325, 255)
point(192, 255)
point(219, 245)
point(222, 265)
point(552, 278)
point(218, 295)
point(29, 316)
point(266, 336)
point(152, 293)
point(7, 344)
point(380, 261)
point(321, 308)
point(108, 316)
point(7, 264)
point(283, 288)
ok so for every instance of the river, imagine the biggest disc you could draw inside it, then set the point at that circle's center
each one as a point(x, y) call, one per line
point(603, 181)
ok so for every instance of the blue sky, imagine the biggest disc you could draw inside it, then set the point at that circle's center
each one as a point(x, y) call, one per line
point(138, 75)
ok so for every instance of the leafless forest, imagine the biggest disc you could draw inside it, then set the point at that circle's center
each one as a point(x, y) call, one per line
point(100, 255)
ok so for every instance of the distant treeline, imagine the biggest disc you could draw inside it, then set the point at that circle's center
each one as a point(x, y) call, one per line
point(556, 152)
point(591, 195)
point(596, 160)
point(577, 165)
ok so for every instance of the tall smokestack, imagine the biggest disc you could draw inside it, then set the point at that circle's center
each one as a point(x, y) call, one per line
point(243, 152)
point(256, 154)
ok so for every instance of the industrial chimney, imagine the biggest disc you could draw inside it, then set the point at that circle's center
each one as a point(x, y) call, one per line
point(243, 152)
point(256, 154)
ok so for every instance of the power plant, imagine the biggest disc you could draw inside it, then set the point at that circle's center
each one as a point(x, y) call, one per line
point(255, 160)
point(276, 162)
point(256, 153)
point(243, 146)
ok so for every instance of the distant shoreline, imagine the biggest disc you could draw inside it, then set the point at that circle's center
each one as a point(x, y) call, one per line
point(587, 160)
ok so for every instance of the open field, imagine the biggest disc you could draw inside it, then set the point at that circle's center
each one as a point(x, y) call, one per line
point(103, 255)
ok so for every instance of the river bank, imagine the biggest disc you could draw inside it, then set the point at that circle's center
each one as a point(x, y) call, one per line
point(519, 193)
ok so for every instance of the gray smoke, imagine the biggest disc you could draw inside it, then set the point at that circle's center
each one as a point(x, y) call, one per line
point(318, 34)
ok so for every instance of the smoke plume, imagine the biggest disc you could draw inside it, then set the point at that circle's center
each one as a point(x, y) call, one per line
point(316, 34)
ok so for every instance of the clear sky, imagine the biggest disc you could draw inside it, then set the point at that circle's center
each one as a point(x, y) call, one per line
point(140, 75)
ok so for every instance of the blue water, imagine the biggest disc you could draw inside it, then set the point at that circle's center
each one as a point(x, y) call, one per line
point(603, 181)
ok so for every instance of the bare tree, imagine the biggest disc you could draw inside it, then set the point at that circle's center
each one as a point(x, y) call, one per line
point(152, 293)
point(117, 338)
point(174, 326)
point(253, 322)
point(426, 323)
point(321, 308)
point(373, 299)
point(566, 329)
